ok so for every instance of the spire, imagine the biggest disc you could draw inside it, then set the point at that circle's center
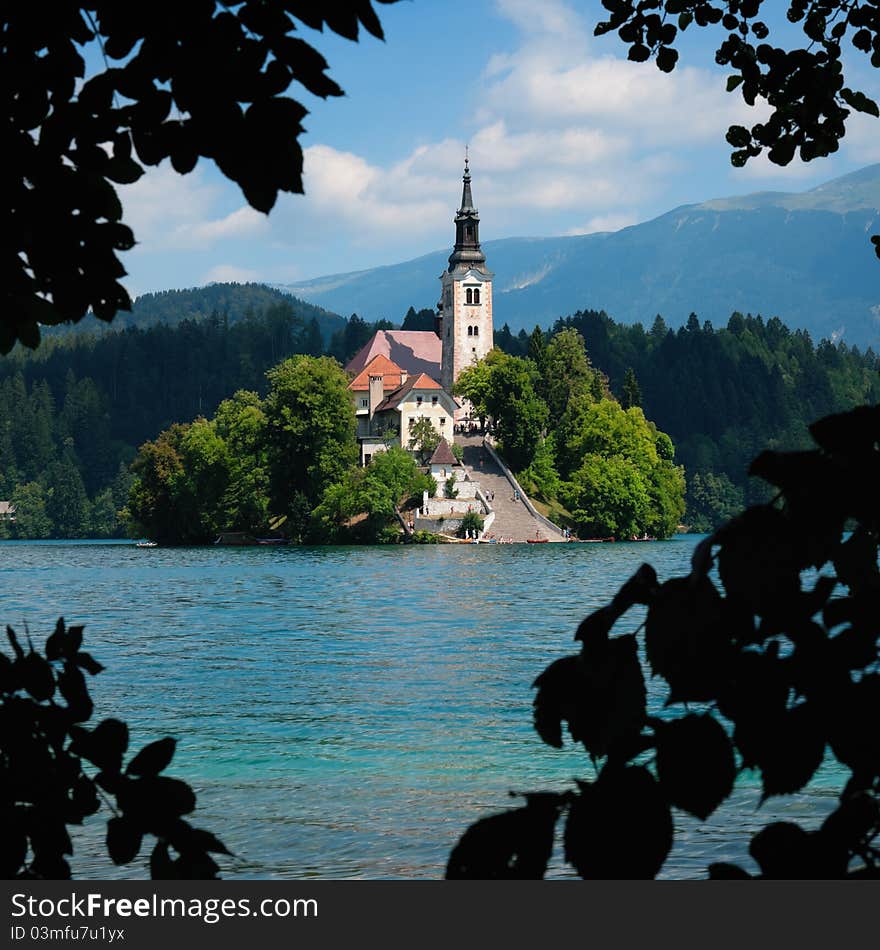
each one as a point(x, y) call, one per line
point(467, 227)
point(467, 201)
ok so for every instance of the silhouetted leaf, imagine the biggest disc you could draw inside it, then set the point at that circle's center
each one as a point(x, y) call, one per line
point(760, 560)
point(595, 627)
point(792, 748)
point(13, 642)
point(50, 867)
point(196, 866)
point(153, 758)
point(13, 845)
point(515, 844)
point(124, 839)
point(184, 838)
point(685, 638)
point(853, 433)
point(619, 827)
point(784, 850)
point(854, 821)
point(9, 678)
point(856, 561)
point(104, 746)
point(695, 763)
point(56, 642)
point(162, 867)
point(84, 800)
point(555, 702)
point(72, 686)
point(37, 676)
point(88, 663)
point(155, 801)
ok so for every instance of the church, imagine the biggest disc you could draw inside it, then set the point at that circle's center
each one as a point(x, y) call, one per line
point(401, 376)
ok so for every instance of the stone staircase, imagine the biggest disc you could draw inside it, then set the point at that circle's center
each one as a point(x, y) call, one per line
point(512, 518)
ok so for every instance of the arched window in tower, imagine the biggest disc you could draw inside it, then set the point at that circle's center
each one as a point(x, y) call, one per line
point(477, 295)
point(470, 331)
point(469, 232)
point(468, 296)
point(477, 329)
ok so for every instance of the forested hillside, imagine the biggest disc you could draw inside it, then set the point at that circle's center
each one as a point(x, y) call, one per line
point(73, 413)
point(232, 301)
point(722, 395)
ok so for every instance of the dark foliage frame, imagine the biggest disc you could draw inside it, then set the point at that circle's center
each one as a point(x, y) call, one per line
point(55, 772)
point(766, 670)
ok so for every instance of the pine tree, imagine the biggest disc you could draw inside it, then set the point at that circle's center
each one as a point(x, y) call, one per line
point(631, 394)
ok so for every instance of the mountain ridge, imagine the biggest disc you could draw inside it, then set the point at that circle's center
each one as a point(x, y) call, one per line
point(802, 256)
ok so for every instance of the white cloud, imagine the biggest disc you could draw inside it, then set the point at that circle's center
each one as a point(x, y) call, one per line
point(862, 141)
point(171, 211)
point(547, 17)
point(162, 202)
point(243, 223)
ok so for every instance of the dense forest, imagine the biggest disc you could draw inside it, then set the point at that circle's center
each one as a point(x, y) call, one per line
point(73, 413)
point(722, 395)
point(599, 466)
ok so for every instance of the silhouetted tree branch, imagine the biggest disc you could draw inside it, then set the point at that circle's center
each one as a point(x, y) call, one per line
point(805, 86)
point(767, 664)
point(183, 81)
point(55, 772)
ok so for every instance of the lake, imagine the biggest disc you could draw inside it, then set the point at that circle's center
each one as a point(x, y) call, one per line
point(347, 712)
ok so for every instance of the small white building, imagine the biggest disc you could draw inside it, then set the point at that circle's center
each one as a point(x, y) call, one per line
point(443, 465)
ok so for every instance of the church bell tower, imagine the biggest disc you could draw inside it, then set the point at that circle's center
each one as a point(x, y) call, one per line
point(465, 308)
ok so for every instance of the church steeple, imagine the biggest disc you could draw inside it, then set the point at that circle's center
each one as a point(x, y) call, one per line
point(467, 229)
point(464, 322)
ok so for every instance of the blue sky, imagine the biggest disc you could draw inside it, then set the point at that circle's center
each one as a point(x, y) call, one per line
point(565, 136)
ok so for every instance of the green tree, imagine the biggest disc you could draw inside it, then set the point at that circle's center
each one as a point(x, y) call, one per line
point(608, 496)
point(711, 500)
point(567, 371)
point(312, 343)
point(104, 521)
point(423, 438)
point(541, 476)
point(630, 394)
point(241, 423)
point(518, 414)
point(201, 81)
point(424, 319)
point(67, 504)
point(310, 432)
point(473, 383)
point(152, 503)
point(32, 520)
point(640, 491)
point(537, 351)
point(373, 492)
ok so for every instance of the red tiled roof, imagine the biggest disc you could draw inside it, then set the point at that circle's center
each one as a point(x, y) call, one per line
point(422, 381)
point(443, 455)
point(414, 351)
point(378, 365)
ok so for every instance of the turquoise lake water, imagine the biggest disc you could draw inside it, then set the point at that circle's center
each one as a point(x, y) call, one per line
point(347, 712)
